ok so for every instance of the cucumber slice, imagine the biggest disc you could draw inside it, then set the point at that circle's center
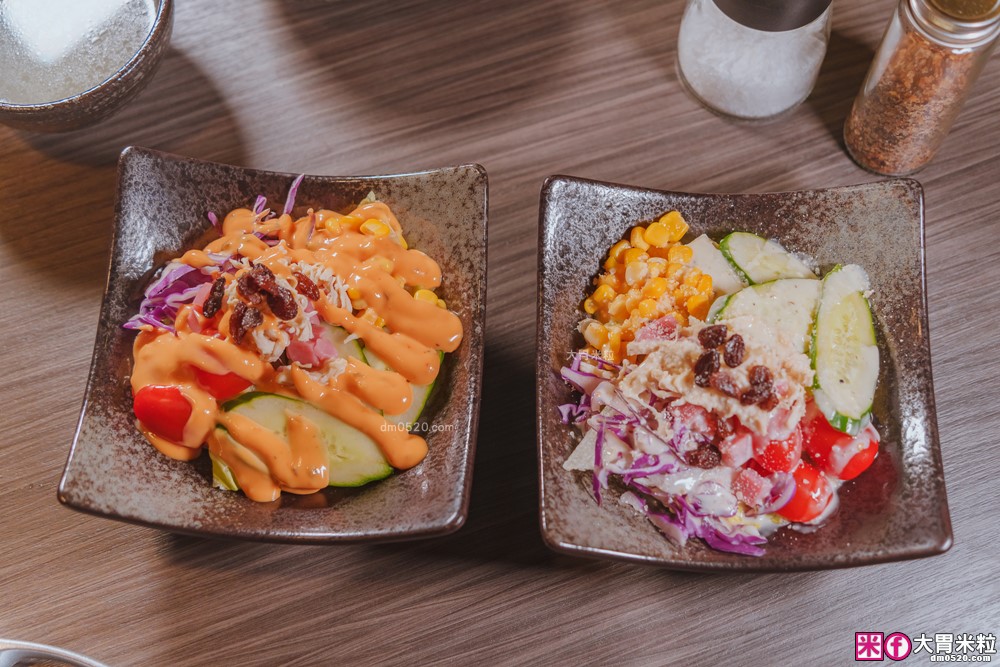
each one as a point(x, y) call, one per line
point(717, 306)
point(709, 259)
point(758, 260)
point(844, 352)
point(355, 459)
point(787, 307)
point(338, 336)
point(222, 475)
point(421, 392)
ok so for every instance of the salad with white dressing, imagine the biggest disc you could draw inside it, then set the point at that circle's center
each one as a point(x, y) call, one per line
point(725, 389)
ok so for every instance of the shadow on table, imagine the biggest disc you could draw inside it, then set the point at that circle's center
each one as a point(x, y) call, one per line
point(839, 81)
point(502, 523)
point(427, 58)
point(181, 111)
point(67, 181)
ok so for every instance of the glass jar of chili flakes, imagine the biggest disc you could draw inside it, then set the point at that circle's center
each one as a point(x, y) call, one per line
point(929, 58)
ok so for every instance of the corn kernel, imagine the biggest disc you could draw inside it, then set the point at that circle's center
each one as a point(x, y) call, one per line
point(353, 293)
point(657, 235)
point(655, 288)
point(425, 295)
point(383, 263)
point(350, 222)
point(632, 300)
point(332, 226)
point(603, 294)
point(442, 303)
point(370, 315)
point(608, 279)
point(617, 309)
point(373, 227)
point(705, 284)
point(636, 238)
point(615, 341)
point(633, 255)
point(595, 334)
point(697, 305)
point(673, 269)
point(675, 224)
point(648, 307)
point(692, 277)
point(614, 255)
point(589, 306)
point(379, 322)
point(680, 253)
point(636, 272)
point(658, 253)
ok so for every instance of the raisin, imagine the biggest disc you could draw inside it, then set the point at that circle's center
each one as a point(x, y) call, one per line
point(771, 402)
point(706, 456)
point(734, 351)
point(760, 378)
point(723, 429)
point(282, 303)
point(760, 390)
point(243, 319)
point(722, 381)
point(248, 289)
point(713, 336)
point(306, 287)
point(707, 364)
point(264, 278)
point(214, 301)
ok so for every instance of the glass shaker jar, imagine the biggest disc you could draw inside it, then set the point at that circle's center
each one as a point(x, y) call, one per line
point(929, 58)
point(752, 58)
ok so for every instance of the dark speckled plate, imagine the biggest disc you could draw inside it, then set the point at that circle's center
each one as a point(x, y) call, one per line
point(895, 510)
point(162, 200)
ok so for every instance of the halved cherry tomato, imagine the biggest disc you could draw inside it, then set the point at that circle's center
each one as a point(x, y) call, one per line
point(812, 494)
point(222, 387)
point(778, 455)
point(163, 410)
point(836, 453)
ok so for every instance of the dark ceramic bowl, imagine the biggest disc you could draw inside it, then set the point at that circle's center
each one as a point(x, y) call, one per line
point(162, 201)
point(94, 105)
point(897, 509)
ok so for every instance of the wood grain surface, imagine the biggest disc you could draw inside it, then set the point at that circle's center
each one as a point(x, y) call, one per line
point(527, 89)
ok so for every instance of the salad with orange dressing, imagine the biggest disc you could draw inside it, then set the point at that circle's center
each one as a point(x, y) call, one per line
point(300, 351)
point(725, 389)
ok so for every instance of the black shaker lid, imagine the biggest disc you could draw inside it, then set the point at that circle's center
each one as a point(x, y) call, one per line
point(773, 15)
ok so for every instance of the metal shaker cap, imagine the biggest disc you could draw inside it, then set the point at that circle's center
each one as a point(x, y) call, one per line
point(773, 15)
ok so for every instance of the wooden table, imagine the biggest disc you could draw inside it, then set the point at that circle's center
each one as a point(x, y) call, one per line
point(587, 88)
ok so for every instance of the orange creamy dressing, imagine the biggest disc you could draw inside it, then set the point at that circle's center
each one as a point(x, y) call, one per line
point(374, 268)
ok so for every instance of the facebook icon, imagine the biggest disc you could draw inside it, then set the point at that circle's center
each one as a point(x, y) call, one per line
point(897, 646)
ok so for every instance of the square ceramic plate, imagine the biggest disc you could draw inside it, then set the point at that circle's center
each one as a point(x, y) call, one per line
point(162, 201)
point(895, 510)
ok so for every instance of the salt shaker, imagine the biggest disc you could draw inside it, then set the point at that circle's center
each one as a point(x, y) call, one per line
point(752, 58)
point(929, 58)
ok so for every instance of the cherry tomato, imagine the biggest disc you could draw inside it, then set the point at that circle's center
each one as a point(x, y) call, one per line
point(812, 494)
point(222, 387)
point(836, 453)
point(163, 410)
point(778, 455)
